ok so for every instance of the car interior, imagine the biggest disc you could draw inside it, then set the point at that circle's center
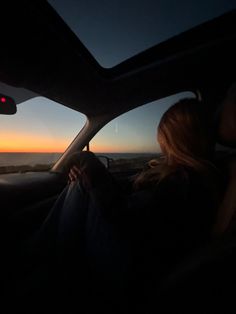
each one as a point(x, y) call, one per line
point(42, 57)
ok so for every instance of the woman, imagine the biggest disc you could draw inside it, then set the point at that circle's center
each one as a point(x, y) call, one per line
point(172, 206)
point(186, 141)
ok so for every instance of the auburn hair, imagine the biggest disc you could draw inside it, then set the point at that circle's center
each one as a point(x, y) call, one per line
point(185, 140)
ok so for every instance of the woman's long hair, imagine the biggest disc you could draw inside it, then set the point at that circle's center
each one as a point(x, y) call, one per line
point(185, 140)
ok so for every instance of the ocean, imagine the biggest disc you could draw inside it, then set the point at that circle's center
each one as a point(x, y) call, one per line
point(29, 159)
point(32, 159)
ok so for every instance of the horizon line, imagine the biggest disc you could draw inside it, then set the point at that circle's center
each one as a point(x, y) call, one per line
point(56, 152)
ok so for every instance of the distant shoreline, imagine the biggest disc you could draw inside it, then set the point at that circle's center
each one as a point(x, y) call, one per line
point(31, 159)
point(96, 153)
point(22, 162)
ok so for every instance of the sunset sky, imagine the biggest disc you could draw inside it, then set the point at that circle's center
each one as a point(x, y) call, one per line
point(112, 31)
point(41, 125)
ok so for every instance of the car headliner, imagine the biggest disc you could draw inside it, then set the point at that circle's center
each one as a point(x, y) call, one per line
point(41, 54)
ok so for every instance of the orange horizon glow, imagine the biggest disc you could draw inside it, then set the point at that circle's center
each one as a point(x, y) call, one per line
point(104, 148)
point(117, 149)
point(26, 143)
point(30, 152)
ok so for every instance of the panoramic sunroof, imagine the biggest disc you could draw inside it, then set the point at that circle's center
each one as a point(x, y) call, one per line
point(114, 31)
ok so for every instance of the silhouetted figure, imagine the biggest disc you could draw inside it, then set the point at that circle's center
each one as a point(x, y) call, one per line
point(136, 238)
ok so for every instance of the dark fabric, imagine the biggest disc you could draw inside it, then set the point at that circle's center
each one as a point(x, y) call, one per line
point(165, 212)
point(107, 250)
point(51, 259)
point(134, 239)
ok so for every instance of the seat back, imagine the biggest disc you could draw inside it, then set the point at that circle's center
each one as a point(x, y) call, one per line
point(203, 283)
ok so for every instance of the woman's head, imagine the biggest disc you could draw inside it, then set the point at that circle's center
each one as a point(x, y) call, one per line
point(183, 134)
point(184, 137)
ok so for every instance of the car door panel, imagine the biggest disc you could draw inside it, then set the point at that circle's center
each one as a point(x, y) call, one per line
point(26, 200)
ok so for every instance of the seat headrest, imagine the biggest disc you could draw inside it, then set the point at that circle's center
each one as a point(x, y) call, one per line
point(226, 129)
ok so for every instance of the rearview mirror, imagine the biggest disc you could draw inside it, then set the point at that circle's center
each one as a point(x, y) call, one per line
point(7, 105)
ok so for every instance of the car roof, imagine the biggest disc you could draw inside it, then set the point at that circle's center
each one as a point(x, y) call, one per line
point(41, 54)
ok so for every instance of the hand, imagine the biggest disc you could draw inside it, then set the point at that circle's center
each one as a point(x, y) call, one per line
point(74, 174)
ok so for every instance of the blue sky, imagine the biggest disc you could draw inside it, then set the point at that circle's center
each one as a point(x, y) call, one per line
point(40, 125)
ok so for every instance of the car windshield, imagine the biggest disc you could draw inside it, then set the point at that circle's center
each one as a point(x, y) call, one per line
point(114, 31)
point(36, 136)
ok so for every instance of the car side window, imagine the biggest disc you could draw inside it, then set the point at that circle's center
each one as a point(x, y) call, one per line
point(130, 140)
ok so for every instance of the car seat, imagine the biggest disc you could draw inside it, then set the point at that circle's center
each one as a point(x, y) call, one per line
point(205, 282)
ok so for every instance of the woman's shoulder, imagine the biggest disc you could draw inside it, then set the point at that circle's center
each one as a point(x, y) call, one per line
point(178, 175)
point(183, 183)
point(189, 175)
